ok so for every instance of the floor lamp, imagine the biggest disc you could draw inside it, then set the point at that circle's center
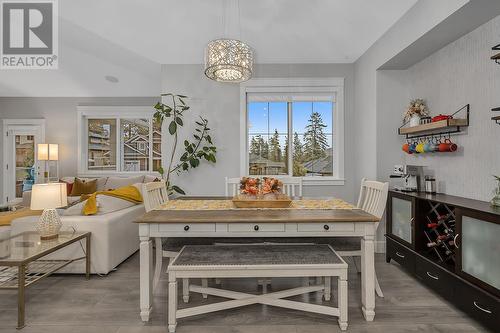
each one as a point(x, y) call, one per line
point(48, 152)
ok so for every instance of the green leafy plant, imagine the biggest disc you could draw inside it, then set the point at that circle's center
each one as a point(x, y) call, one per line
point(201, 147)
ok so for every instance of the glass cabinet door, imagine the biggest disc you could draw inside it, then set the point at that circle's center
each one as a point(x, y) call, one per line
point(402, 216)
point(480, 247)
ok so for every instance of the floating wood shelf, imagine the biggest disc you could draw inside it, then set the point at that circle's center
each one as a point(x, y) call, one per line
point(437, 128)
point(496, 109)
point(445, 125)
point(496, 119)
point(496, 57)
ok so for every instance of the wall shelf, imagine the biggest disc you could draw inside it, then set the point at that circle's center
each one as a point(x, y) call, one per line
point(496, 57)
point(437, 128)
point(496, 119)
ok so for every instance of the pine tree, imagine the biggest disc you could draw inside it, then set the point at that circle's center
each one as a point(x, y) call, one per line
point(316, 141)
point(285, 155)
point(298, 153)
point(274, 147)
point(254, 146)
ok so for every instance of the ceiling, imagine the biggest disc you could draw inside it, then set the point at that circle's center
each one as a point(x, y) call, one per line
point(280, 31)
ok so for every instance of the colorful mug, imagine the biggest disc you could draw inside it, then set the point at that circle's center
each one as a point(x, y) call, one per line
point(428, 147)
point(406, 148)
point(420, 148)
point(447, 146)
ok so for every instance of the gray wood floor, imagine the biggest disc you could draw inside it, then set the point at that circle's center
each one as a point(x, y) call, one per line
point(66, 303)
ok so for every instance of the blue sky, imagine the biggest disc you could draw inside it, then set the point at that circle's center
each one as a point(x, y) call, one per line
point(265, 117)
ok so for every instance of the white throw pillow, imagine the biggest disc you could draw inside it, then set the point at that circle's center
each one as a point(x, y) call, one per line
point(116, 182)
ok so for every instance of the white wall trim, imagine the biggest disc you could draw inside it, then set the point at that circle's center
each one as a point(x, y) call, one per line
point(334, 85)
point(8, 124)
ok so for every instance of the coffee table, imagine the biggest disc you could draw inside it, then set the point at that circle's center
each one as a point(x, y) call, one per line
point(23, 262)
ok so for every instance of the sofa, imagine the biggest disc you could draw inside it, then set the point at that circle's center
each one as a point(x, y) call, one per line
point(114, 234)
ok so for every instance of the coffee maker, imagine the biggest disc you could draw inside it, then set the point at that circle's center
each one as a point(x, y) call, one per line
point(411, 176)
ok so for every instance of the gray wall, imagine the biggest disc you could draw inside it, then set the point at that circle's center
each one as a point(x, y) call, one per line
point(462, 73)
point(61, 120)
point(219, 103)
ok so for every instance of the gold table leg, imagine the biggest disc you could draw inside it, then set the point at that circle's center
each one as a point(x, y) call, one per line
point(20, 296)
point(87, 257)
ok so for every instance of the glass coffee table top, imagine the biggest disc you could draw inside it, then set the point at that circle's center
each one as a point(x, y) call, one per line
point(28, 246)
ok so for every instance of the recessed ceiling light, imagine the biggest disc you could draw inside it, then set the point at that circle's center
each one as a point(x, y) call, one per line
point(111, 78)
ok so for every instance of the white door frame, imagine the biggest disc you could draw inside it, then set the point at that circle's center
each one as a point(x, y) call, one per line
point(10, 127)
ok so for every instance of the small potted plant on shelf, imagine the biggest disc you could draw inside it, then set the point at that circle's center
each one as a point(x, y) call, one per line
point(416, 110)
point(496, 199)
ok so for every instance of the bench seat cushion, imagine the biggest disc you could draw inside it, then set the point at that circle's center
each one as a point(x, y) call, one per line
point(214, 255)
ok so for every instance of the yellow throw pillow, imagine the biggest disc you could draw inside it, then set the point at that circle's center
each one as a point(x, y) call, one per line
point(81, 186)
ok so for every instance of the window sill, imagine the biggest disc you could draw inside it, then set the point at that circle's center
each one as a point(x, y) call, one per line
point(322, 181)
point(90, 174)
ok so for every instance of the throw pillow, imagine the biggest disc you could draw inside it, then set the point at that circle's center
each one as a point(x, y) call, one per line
point(81, 186)
point(116, 182)
point(69, 186)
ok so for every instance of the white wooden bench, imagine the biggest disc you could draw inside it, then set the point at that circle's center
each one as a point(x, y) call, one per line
point(254, 261)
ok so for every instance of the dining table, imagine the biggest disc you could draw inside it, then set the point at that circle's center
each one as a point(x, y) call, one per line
point(217, 217)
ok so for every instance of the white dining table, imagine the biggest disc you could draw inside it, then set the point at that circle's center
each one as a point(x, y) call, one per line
point(231, 223)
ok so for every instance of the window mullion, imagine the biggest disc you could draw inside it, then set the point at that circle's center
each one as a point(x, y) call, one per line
point(150, 148)
point(290, 139)
point(119, 151)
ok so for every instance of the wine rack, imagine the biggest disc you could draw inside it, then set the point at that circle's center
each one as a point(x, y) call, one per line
point(440, 232)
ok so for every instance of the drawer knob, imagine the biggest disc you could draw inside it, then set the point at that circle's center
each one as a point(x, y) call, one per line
point(186, 228)
point(482, 309)
point(256, 227)
point(399, 255)
point(432, 276)
point(326, 227)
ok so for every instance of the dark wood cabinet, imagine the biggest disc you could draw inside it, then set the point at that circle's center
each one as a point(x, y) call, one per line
point(466, 269)
point(401, 213)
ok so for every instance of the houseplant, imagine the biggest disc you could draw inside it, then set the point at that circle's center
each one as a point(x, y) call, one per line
point(417, 109)
point(201, 147)
point(496, 199)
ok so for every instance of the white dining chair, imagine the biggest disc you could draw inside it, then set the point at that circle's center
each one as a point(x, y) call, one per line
point(154, 195)
point(372, 199)
point(292, 186)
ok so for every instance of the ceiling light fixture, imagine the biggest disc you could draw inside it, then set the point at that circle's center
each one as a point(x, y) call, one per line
point(228, 60)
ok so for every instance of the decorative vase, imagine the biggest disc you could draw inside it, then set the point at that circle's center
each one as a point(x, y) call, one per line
point(415, 120)
point(496, 199)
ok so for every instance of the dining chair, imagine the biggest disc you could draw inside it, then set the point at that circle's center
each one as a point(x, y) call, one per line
point(154, 195)
point(292, 186)
point(372, 199)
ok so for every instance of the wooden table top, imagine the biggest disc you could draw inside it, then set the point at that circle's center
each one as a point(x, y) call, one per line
point(256, 216)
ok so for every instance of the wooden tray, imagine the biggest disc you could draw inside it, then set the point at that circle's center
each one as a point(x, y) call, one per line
point(282, 201)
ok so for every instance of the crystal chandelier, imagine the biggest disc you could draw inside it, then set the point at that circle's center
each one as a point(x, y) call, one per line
point(228, 60)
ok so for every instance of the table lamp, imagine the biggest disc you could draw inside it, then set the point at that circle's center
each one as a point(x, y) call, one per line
point(48, 197)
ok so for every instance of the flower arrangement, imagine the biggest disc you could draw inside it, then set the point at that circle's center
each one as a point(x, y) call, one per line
point(417, 107)
point(249, 186)
point(271, 185)
point(256, 187)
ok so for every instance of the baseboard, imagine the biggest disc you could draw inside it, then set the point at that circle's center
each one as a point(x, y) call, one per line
point(380, 246)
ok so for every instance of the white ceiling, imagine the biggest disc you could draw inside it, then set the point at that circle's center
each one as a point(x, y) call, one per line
point(280, 31)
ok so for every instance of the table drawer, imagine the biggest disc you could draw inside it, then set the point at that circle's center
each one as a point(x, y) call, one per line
point(256, 227)
point(187, 227)
point(434, 276)
point(401, 254)
point(324, 227)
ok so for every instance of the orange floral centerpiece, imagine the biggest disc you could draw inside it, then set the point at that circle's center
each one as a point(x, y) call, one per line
point(249, 186)
point(271, 187)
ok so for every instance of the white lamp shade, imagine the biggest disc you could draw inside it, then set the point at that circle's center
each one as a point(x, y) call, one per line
point(48, 196)
point(53, 152)
point(43, 152)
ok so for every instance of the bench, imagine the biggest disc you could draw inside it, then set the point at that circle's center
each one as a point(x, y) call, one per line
point(256, 261)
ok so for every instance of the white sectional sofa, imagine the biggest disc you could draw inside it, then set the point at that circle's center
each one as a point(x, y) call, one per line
point(114, 235)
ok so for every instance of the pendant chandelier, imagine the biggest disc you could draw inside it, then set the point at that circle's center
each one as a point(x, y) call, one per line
point(228, 60)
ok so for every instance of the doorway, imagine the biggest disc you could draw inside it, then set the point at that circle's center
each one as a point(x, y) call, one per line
point(21, 168)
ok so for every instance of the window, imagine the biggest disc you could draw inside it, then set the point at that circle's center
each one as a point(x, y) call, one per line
point(293, 130)
point(119, 140)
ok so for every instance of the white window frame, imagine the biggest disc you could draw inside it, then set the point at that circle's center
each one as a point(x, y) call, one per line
point(107, 112)
point(334, 86)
